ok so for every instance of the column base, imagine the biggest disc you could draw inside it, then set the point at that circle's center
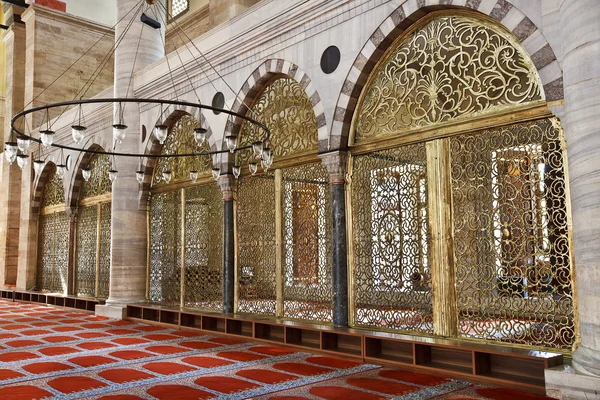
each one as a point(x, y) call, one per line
point(114, 311)
point(565, 383)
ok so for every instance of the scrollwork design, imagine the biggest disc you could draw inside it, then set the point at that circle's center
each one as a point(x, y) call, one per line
point(452, 68)
point(54, 193)
point(99, 182)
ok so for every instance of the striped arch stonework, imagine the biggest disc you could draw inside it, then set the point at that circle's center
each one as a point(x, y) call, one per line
point(153, 147)
point(39, 188)
point(411, 11)
point(257, 82)
point(78, 178)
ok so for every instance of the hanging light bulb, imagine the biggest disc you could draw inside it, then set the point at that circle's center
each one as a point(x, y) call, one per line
point(47, 137)
point(22, 160)
point(87, 174)
point(200, 135)
point(231, 142)
point(119, 132)
point(216, 172)
point(38, 167)
point(113, 174)
point(161, 131)
point(78, 133)
point(167, 175)
point(23, 143)
point(139, 175)
point(194, 176)
point(253, 167)
point(11, 150)
point(257, 148)
point(60, 170)
point(237, 170)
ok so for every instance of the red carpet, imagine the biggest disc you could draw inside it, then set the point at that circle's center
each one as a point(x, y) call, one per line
point(58, 353)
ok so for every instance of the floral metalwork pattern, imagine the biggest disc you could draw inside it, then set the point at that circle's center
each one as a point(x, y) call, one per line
point(181, 141)
point(87, 237)
point(99, 182)
point(392, 280)
point(203, 225)
point(54, 194)
point(453, 68)
point(512, 245)
point(165, 248)
point(286, 110)
point(53, 252)
point(256, 245)
point(105, 246)
point(307, 289)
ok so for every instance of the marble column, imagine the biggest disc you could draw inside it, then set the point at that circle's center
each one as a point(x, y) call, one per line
point(580, 33)
point(10, 191)
point(227, 184)
point(129, 226)
point(336, 163)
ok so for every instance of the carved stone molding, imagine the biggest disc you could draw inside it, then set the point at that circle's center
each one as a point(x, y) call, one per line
point(336, 165)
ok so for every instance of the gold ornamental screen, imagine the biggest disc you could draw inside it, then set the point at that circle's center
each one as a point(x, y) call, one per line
point(390, 237)
point(87, 239)
point(53, 252)
point(513, 262)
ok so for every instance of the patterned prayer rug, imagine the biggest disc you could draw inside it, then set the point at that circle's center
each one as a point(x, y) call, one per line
point(48, 352)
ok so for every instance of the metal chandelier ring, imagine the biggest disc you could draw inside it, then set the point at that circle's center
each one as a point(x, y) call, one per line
point(130, 100)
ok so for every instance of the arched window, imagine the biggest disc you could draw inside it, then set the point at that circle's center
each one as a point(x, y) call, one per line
point(92, 260)
point(53, 239)
point(186, 226)
point(283, 216)
point(442, 203)
point(178, 7)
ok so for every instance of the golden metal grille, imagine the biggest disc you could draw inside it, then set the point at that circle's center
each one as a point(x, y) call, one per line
point(87, 237)
point(390, 240)
point(53, 252)
point(307, 287)
point(452, 68)
point(283, 107)
point(105, 246)
point(513, 263)
point(99, 182)
point(257, 292)
point(181, 141)
point(203, 265)
point(54, 193)
point(165, 247)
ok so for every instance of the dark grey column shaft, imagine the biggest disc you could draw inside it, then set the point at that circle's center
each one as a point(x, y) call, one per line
point(340, 256)
point(228, 257)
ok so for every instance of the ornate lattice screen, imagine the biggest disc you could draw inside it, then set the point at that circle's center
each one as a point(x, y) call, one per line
point(165, 248)
point(105, 236)
point(87, 239)
point(203, 282)
point(53, 252)
point(391, 278)
point(256, 245)
point(513, 265)
point(306, 205)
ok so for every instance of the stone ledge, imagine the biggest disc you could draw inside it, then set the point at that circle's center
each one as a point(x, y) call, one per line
point(111, 311)
point(564, 383)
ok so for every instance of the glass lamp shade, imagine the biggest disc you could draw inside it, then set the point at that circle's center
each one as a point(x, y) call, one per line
point(167, 175)
point(38, 167)
point(78, 133)
point(23, 144)
point(139, 175)
point(231, 142)
point(216, 172)
point(86, 173)
point(22, 160)
point(119, 132)
point(60, 170)
point(200, 135)
point(161, 132)
point(113, 174)
point(253, 167)
point(237, 170)
point(267, 153)
point(264, 165)
point(11, 150)
point(47, 137)
point(194, 176)
point(257, 148)
point(269, 161)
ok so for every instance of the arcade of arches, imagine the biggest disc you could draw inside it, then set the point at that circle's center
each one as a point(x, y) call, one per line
point(443, 209)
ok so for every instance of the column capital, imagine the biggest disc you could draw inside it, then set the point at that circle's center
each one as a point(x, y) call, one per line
point(336, 163)
point(227, 185)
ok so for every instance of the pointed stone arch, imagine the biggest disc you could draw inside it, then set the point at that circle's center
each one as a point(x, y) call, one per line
point(40, 184)
point(77, 182)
